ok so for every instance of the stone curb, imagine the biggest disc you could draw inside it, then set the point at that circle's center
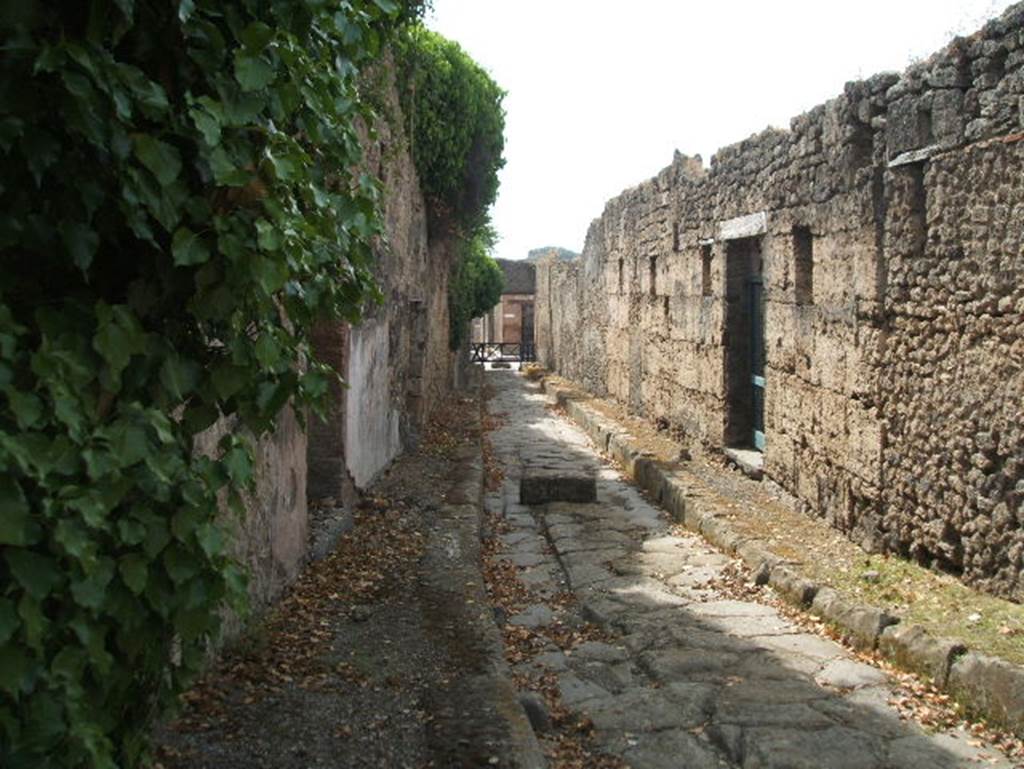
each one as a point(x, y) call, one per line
point(986, 685)
point(483, 711)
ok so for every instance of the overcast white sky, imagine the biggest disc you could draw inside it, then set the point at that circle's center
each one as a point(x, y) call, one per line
point(601, 92)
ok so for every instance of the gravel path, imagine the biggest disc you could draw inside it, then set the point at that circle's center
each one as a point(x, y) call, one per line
point(689, 675)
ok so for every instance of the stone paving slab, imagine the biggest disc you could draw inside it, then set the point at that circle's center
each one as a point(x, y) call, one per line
point(691, 677)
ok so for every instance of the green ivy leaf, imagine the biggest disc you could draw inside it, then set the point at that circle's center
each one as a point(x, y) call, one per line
point(238, 462)
point(179, 376)
point(9, 622)
point(268, 236)
point(17, 526)
point(81, 242)
point(27, 408)
point(194, 623)
point(89, 592)
point(41, 151)
point(134, 570)
point(37, 574)
point(207, 124)
point(228, 379)
point(210, 539)
point(257, 36)
point(14, 668)
point(151, 96)
point(267, 350)
point(73, 537)
point(69, 664)
point(132, 532)
point(253, 72)
point(162, 160)
point(157, 535)
point(270, 273)
point(33, 621)
point(118, 337)
point(188, 248)
point(181, 565)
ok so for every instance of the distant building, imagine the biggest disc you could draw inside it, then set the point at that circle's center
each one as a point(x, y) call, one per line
point(511, 320)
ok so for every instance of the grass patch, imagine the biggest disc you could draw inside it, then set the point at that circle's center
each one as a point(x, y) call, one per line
point(938, 602)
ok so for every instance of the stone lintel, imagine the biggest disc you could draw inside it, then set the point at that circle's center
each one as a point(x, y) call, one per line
point(743, 226)
point(914, 156)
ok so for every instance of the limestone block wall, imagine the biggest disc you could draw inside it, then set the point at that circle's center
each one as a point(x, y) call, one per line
point(952, 368)
point(886, 228)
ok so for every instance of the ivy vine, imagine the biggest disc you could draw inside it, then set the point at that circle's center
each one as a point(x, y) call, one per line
point(180, 201)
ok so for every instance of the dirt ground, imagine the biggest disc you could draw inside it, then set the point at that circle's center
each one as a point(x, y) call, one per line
point(355, 665)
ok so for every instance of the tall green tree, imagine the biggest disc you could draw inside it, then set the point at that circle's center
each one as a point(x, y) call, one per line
point(456, 124)
point(476, 284)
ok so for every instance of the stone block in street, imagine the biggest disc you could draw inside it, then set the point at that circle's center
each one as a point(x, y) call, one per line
point(540, 486)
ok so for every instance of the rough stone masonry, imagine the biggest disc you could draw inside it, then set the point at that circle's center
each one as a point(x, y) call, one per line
point(847, 295)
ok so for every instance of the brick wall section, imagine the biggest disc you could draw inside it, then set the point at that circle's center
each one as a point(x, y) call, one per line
point(328, 477)
point(893, 368)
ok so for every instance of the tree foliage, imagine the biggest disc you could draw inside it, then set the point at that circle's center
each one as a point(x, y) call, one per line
point(179, 202)
point(476, 284)
point(456, 125)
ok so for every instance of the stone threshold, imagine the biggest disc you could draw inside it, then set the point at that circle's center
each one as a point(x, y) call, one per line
point(987, 686)
point(748, 461)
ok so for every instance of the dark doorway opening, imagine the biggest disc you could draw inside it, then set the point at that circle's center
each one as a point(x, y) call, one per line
point(527, 323)
point(744, 344)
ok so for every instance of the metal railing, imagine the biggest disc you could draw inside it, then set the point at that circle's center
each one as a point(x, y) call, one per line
point(502, 352)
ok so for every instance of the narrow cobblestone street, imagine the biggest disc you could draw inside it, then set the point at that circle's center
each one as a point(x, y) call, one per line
point(688, 676)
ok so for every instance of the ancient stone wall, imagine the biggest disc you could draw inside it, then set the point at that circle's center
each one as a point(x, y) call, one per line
point(884, 230)
point(395, 363)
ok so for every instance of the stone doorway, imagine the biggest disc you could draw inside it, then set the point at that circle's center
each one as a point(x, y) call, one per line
point(744, 344)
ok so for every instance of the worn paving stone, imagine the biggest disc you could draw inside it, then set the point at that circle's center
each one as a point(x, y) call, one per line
point(529, 559)
point(669, 749)
point(612, 677)
point(534, 616)
point(791, 714)
point(693, 576)
point(804, 644)
point(731, 608)
point(687, 677)
point(682, 664)
point(601, 539)
point(835, 748)
point(577, 691)
point(599, 651)
point(764, 627)
point(638, 710)
point(660, 565)
point(847, 674)
point(523, 541)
